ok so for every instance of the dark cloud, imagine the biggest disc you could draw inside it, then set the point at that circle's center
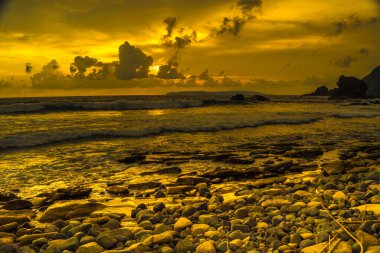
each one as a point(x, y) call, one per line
point(364, 51)
point(83, 63)
point(4, 84)
point(170, 22)
point(134, 63)
point(234, 25)
point(350, 22)
point(28, 68)
point(204, 75)
point(49, 76)
point(345, 62)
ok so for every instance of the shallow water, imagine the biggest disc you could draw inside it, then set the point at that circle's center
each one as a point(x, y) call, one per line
point(47, 150)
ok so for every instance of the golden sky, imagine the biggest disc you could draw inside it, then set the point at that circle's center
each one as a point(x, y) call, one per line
point(282, 46)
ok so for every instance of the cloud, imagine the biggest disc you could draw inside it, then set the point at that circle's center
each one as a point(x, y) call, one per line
point(134, 63)
point(345, 62)
point(82, 5)
point(4, 84)
point(28, 68)
point(170, 22)
point(49, 76)
point(350, 22)
point(81, 64)
point(234, 25)
point(364, 51)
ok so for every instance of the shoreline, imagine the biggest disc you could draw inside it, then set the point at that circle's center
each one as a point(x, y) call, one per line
point(212, 211)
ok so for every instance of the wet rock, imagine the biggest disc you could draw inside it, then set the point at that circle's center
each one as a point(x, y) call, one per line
point(206, 247)
point(40, 242)
point(91, 247)
point(7, 196)
point(106, 241)
point(71, 209)
point(182, 223)
point(189, 180)
point(170, 170)
point(145, 185)
point(184, 246)
point(158, 207)
point(162, 238)
point(181, 189)
point(199, 229)
point(209, 219)
point(306, 243)
point(138, 247)
point(118, 190)
point(28, 239)
point(334, 168)
point(160, 194)
point(25, 249)
point(276, 203)
point(70, 244)
point(242, 213)
point(10, 227)
point(71, 193)
point(17, 204)
point(240, 227)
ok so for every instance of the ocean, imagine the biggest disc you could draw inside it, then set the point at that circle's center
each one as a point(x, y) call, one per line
point(47, 143)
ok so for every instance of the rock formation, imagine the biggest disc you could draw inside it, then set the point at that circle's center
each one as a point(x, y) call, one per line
point(373, 83)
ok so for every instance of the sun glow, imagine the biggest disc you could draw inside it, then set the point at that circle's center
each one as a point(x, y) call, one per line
point(154, 69)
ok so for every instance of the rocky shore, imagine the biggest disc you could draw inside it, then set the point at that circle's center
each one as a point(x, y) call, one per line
point(292, 204)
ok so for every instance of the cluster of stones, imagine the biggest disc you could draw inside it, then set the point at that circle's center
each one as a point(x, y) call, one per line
point(286, 217)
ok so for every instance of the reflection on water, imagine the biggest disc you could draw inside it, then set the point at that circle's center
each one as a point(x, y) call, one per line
point(156, 112)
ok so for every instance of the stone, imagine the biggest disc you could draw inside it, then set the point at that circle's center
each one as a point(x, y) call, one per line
point(343, 247)
point(69, 244)
point(158, 207)
point(314, 248)
point(17, 204)
point(6, 219)
point(276, 203)
point(209, 219)
point(191, 180)
point(199, 229)
point(242, 213)
point(240, 227)
point(86, 239)
point(162, 238)
point(306, 243)
point(373, 249)
point(340, 195)
point(40, 242)
point(366, 238)
point(182, 223)
point(206, 247)
point(334, 168)
point(69, 210)
point(25, 249)
point(160, 194)
point(184, 246)
point(188, 210)
point(138, 247)
point(118, 190)
point(6, 240)
point(236, 235)
point(106, 241)
point(28, 239)
point(112, 224)
point(91, 247)
point(9, 227)
point(322, 236)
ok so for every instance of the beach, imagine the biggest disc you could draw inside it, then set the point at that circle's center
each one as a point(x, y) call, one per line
point(159, 174)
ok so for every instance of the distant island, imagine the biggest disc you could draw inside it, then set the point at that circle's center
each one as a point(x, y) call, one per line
point(214, 93)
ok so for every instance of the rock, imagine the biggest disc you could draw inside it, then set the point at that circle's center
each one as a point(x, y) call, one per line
point(6, 240)
point(322, 236)
point(162, 238)
point(314, 248)
point(276, 203)
point(118, 190)
point(124, 232)
point(209, 219)
point(199, 229)
point(160, 194)
point(373, 83)
point(320, 91)
point(184, 246)
point(367, 239)
point(343, 247)
point(145, 185)
point(306, 243)
point(339, 195)
point(206, 247)
point(112, 224)
point(40, 242)
point(180, 189)
point(238, 97)
point(349, 87)
point(375, 208)
point(188, 210)
point(190, 180)
point(7, 196)
point(91, 247)
point(9, 227)
point(236, 235)
point(242, 213)
point(240, 227)
point(25, 249)
point(373, 249)
point(70, 193)
point(334, 168)
point(70, 209)
point(182, 223)
point(259, 98)
point(86, 239)
point(138, 247)
point(106, 241)
point(17, 204)
point(70, 244)
point(28, 239)
point(133, 158)
point(158, 207)
point(170, 170)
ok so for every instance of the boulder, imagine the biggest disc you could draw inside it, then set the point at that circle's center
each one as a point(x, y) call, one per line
point(373, 83)
point(69, 210)
point(349, 87)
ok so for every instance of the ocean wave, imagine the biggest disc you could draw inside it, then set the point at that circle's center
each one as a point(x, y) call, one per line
point(45, 138)
point(108, 105)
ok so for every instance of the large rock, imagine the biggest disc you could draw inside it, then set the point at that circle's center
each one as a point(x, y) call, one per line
point(69, 210)
point(182, 223)
point(91, 247)
point(17, 204)
point(6, 219)
point(28, 239)
point(162, 238)
point(276, 203)
point(320, 91)
point(206, 247)
point(334, 168)
point(373, 83)
point(70, 244)
point(349, 87)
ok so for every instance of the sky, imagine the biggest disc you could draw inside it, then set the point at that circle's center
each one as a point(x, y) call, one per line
point(95, 47)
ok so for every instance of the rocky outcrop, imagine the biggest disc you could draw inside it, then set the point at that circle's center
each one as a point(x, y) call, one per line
point(373, 83)
point(320, 91)
point(259, 98)
point(349, 87)
point(238, 97)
